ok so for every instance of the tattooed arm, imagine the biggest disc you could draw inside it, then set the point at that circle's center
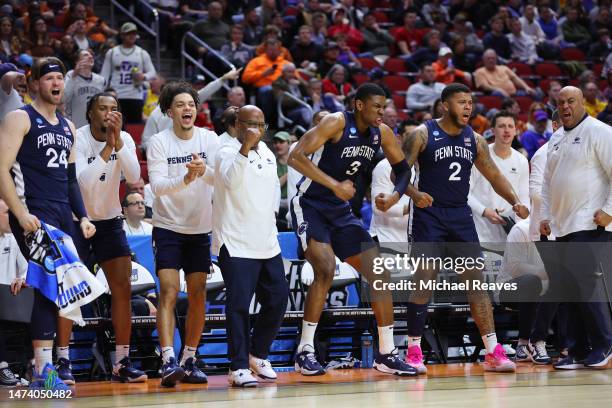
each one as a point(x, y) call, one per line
point(412, 146)
point(485, 164)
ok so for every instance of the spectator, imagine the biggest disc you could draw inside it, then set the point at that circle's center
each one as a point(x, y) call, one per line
point(606, 115)
point(145, 191)
point(10, 78)
point(335, 84)
point(235, 97)
point(498, 79)
point(319, 28)
point(67, 51)
point(423, 94)
point(78, 31)
point(80, 85)
point(601, 21)
point(478, 122)
point(530, 26)
point(253, 29)
point(151, 98)
point(603, 47)
point(40, 43)
point(330, 57)
point(390, 118)
point(228, 125)
point(126, 67)
point(548, 23)
point(408, 38)
point(592, 104)
point(193, 10)
point(446, 73)
point(437, 110)
point(376, 77)
point(10, 43)
point(266, 10)
point(461, 59)
point(134, 212)
point(281, 141)
point(463, 29)
point(274, 33)
point(553, 93)
point(426, 54)
point(237, 52)
point(97, 29)
point(346, 57)
point(340, 24)
point(533, 139)
point(496, 40)
point(522, 45)
point(305, 52)
point(375, 39)
point(574, 32)
point(214, 31)
point(434, 8)
point(291, 82)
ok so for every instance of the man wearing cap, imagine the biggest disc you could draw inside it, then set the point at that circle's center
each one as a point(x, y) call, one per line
point(446, 73)
point(10, 77)
point(281, 142)
point(532, 140)
point(126, 66)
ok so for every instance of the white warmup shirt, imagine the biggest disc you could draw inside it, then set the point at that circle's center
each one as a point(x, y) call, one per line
point(157, 121)
point(144, 228)
point(12, 263)
point(392, 225)
point(578, 177)
point(117, 70)
point(538, 163)
point(516, 169)
point(9, 102)
point(77, 92)
point(178, 207)
point(247, 195)
point(99, 180)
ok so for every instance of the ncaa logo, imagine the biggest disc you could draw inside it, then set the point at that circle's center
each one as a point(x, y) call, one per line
point(39, 121)
point(353, 130)
point(302, 228)
point(375, 139)
point(436, 133)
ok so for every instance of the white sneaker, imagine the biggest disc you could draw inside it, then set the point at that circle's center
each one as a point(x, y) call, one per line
point(262, 368)
point(242, 378)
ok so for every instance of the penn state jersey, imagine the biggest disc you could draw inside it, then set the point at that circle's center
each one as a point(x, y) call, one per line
point(40, 170)
point(445, 165)
point(343, 160)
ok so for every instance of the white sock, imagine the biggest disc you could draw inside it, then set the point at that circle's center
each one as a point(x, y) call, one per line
point(121, 352)
point(62, 352)
point(490, 341)
point(386, 345)
point(308, 333)
point(42, 357)
point(414, 341)
point(167, 353)
point(523, 342)
point(187, 353)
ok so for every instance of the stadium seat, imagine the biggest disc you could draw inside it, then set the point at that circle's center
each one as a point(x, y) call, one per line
point(597, 68)
point(381, 16)
point(399, 101)
point(572, 54)
point(360, 79)
point(144, 171)
point(548, 69)
point(394, 65)
point(369, 63)
point(544, 85)
point(135, 130)
point(520, 68)
point(397, 83)
point(491, 101)
point(524, 102)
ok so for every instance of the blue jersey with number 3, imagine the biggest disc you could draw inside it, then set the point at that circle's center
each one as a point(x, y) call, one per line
point(40, 170)
point(343, 160)
point(446, 164)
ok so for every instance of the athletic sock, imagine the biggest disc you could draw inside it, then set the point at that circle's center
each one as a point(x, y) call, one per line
point(187, 353)
point(308, 333)
point(63, 352)
point(42, 357)
point(490, 341)
point(386, 345)
point(167, 353)
point(121, 352)
point(416, 317)
point(414, 341)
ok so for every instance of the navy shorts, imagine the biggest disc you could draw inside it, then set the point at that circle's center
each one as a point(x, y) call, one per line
point(190, 252)
point(331, 224)
point(109, 241)
point(54, 213)
point(451, 225)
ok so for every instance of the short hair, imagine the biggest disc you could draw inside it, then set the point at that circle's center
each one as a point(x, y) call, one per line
point(452, 89)
point(228, 117)
point(555, 116)
point(405, 123)
point(507, 103)
point(502, 114)
point(92, 101)
point(367, 90)
point(41, 62)
point(124, 202)
point(317, 116)
point(175, 88)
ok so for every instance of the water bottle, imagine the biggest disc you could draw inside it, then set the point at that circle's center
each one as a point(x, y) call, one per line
point(137, 84)
point(367, 350)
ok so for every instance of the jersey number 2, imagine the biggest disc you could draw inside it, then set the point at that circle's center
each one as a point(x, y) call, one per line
point(56, 160)
point(457, 168)
point(353, 168)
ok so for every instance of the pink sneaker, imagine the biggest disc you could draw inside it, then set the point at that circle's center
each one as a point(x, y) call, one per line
point(414, 358)
point(498, 362)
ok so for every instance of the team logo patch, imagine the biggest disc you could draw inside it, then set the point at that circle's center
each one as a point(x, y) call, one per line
point(375, 139)
point(302, 228)
point(436, 133)
point(259, 166)
point(103, 177)
point(467, 141)
point(67, 129)
point(576, 140)
point(353, 130)
point(39, 121)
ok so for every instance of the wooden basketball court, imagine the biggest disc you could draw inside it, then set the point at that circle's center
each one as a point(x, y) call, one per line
point(457, 385)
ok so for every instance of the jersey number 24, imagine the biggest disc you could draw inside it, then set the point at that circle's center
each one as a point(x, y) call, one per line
point(56, 159)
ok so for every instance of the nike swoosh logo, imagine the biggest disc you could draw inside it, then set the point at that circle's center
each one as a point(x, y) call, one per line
point(353, 136)
point(438, 138)
point(251, 161)
point(41, 126)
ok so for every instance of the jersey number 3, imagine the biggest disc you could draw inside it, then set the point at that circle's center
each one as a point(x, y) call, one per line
point(353, 168)
point(457, 168)
point(56, 159)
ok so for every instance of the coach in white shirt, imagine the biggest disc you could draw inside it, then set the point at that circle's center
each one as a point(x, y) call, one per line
point(577, 207)
point(487, 206)
point(245, 239)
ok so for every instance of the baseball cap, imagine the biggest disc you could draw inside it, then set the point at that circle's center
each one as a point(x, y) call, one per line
point(331, 44)
point(282, 135)
point(8, 67)
point(128, 27)
point(444, 51)
point(540, 115)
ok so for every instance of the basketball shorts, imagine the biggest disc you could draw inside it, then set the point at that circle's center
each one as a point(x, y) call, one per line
point(109, 241)
point(173, 250)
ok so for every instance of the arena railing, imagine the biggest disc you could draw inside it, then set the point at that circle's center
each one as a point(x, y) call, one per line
point(186, 56)
point(154, 32)
point(282, 119)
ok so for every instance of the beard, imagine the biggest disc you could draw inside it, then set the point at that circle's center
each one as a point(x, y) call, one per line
point(49, 98)
point(455, 119)
point(103, 129)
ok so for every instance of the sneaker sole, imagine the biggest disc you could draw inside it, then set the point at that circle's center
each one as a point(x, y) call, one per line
point(173, 378)
point(384, 369)
point(190, 380)
point(601, 364)
point(250, 384)
point(500, 369)
point(570, 367)
point(308, 373)
point(118, 379)
point(420, 369)
point(534, 361)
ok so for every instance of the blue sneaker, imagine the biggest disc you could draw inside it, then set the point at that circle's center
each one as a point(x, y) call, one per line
point(48, 380)
point(569, 363)
point(392, 364)
point(171, 373)
point(124, 372)
point(64, 371)
point(193, 374)
point(306, 363)
point(598, 358)
point(522, 353)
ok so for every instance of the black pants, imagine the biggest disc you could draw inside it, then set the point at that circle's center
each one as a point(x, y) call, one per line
point(131, 110)
point(243, 278)
point(528, 288)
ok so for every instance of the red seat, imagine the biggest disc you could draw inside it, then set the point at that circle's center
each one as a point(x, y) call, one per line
point(597, 68)
point(547, 69)
point(490, 101)
point(394, 65)
point(524, 102)
point(360, 79)
point(381, 16)
point(135, 130)
point(290, 11)
point(369, 63)
point(520, 68)
point(144, 171)
point(545, 85)
point(399, 101)
point(572, 54)
point(397, 83)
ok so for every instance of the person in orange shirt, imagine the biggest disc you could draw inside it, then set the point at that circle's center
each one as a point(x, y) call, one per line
point(262, 71)
point(446, 72)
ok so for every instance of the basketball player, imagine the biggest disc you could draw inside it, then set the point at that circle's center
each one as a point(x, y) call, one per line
point(343, 144)
point(445, 150)
point(182, 220)
point(38, 183)
point(103, 153)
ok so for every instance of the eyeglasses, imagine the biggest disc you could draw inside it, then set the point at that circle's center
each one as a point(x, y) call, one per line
point(136, 203)
point(263, 126)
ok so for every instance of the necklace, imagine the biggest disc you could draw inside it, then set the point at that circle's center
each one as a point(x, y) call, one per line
point(121, 50)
